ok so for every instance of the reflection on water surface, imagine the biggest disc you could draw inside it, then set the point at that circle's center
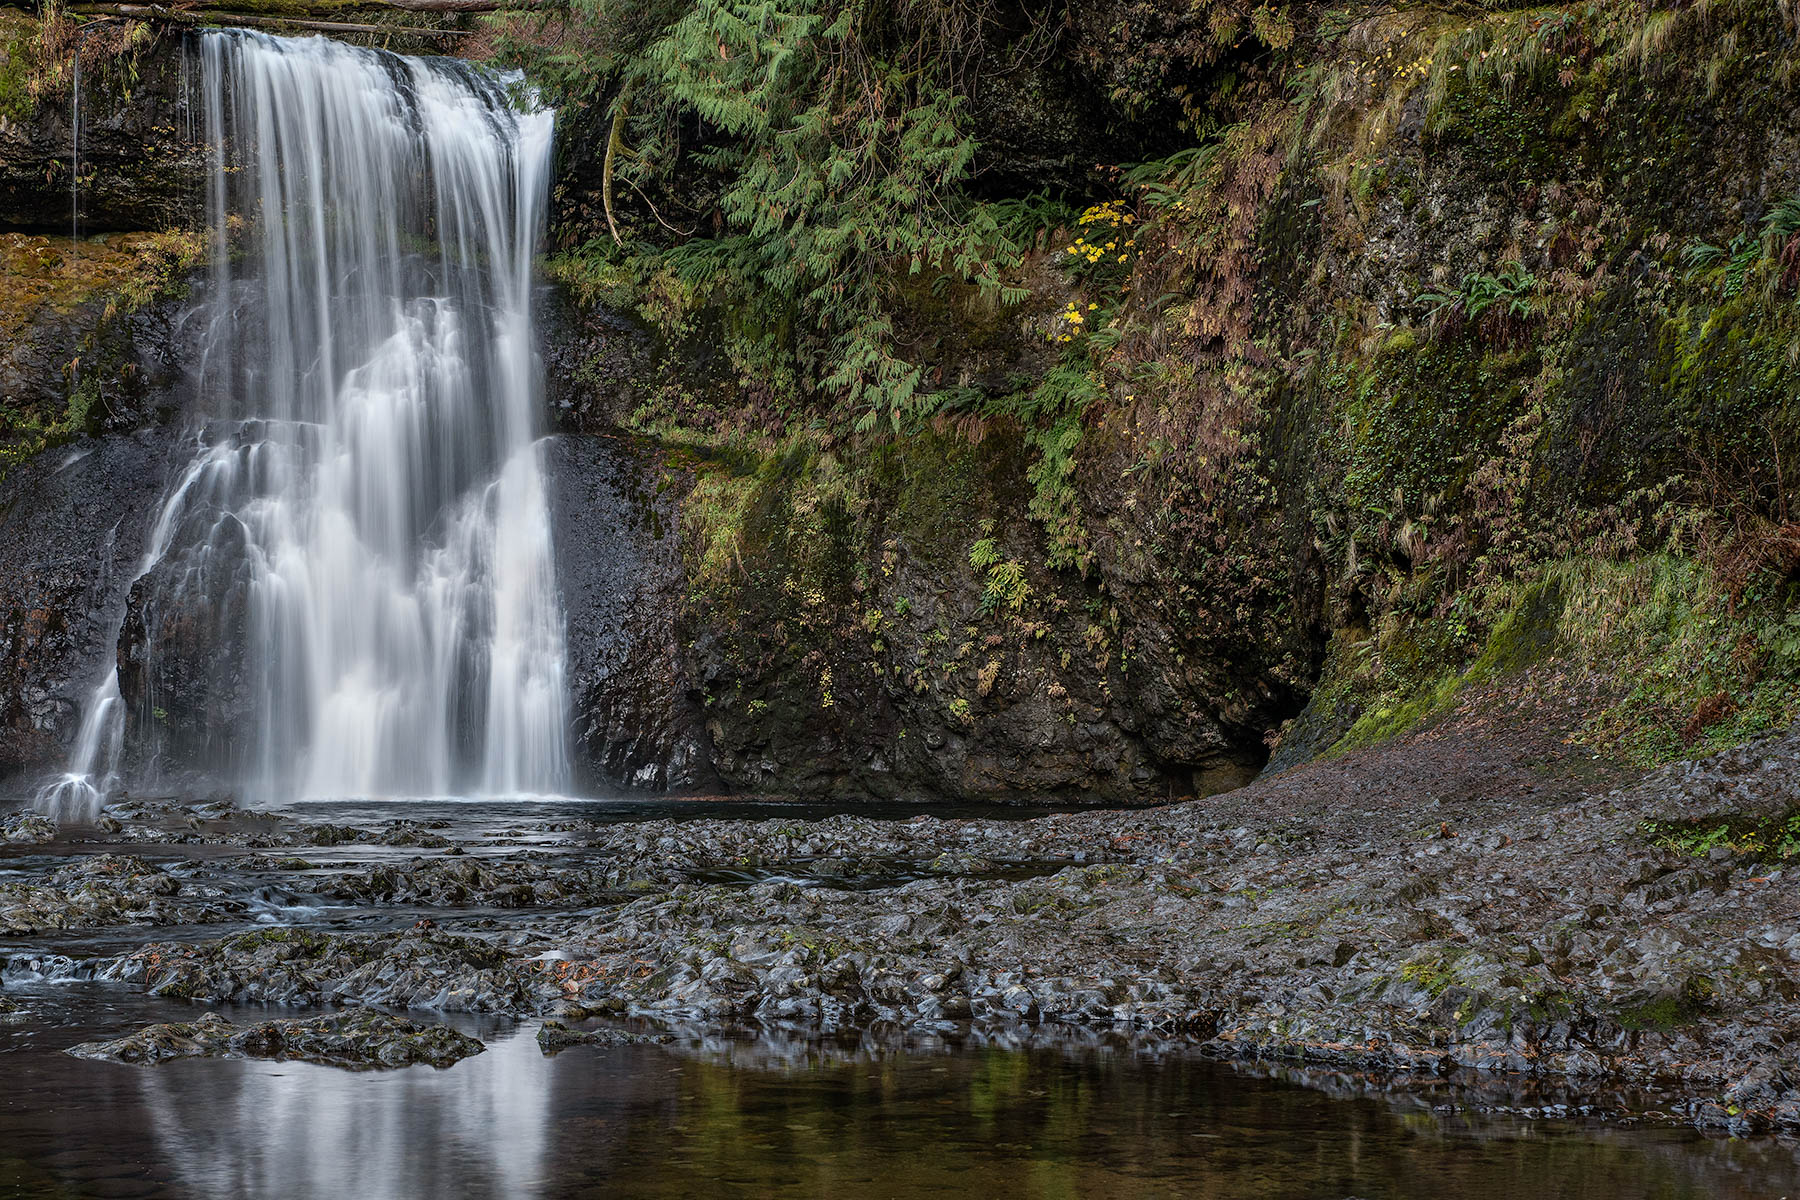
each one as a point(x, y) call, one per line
point(780, 1117)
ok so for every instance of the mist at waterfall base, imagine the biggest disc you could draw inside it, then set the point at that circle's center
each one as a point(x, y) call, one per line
point(362, 516)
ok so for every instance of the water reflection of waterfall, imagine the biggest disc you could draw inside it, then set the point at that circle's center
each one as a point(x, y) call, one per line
point(301, 1131)
point(363, 519)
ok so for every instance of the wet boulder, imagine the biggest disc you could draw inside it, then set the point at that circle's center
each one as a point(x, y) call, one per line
point(27, 828)
point(108, 889)
point(358, 1040)
point(554, 1037)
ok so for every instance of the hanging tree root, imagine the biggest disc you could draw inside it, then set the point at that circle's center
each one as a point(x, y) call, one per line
point(615, 142)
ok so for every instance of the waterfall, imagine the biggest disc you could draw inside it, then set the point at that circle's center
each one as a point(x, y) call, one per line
point(364, 514)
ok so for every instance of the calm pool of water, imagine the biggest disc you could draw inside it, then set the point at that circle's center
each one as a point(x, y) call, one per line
point(767, 1115)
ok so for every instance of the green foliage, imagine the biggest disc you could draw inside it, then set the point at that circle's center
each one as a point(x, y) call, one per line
point(1774, 839)
point(1730, 264)
point(37, 55)
point(1511, 294)
point(1052, 411)
point(1166, 183)
point(1054, 501)
point(833, 140)
point(984, 554)
point(1032, 220)
point(1006, 588)
point(1776, 249)
point(1783, 220)
point(1510, 291)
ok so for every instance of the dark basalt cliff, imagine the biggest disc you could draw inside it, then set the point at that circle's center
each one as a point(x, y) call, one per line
point(141, 158)
point(73, 522)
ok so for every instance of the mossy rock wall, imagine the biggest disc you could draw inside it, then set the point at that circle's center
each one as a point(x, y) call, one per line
point(140, 163)
point(885, 626)
point(1429, 344)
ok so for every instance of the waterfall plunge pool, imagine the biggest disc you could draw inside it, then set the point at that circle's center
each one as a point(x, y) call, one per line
point(770, 1113)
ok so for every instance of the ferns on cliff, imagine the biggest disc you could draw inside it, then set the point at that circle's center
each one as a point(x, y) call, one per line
point(826, 141)
point(808, 156)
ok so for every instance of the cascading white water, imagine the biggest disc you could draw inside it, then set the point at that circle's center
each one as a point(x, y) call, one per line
point(366, 473)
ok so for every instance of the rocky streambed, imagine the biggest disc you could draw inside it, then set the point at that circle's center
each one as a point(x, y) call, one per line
point(1456, 909)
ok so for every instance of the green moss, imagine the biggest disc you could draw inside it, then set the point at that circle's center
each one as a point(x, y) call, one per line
point(1658, 633)
point(308, 943)
point(1670, 1010)
point(1527, 632)
point(54, 284)
point(1435, 971)
point(1414, 417)
point(1727, 373)
point(18, 99)
point(1507, 129)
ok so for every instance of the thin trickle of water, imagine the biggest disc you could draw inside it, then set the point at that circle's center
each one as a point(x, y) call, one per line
point(92, 773)
point(75, 154)
point(365, 510)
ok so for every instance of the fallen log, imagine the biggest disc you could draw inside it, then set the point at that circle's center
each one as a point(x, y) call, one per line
point(458, 6)
point(314, 10)
point(172, 16)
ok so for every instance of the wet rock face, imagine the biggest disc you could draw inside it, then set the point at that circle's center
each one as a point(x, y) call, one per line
point(853, 645)
point(365, 1040)
point(595, 363)
point(183, 673)
point(142, 151)
point(72, 528)
point(619, 570)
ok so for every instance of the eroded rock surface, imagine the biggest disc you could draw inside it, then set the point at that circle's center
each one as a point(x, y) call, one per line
point(107, 889)
point(358, 1039)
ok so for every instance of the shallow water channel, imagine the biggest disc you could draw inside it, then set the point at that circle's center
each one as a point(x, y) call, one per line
point(755, 1112)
